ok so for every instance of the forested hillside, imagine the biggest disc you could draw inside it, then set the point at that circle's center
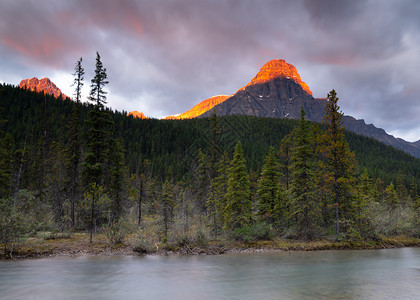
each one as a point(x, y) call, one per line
point(165, 143)
point(170, 169)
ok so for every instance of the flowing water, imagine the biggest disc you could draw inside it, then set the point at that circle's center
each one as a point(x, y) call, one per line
point(371, 274)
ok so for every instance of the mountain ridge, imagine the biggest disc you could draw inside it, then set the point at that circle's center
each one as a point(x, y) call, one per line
point(280, 96)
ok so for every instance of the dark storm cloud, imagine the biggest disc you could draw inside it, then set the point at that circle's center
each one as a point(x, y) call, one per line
point(165, 56)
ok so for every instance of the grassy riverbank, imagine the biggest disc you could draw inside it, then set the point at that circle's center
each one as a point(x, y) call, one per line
point(77, 244)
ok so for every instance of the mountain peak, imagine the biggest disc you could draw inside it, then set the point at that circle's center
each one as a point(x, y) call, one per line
point(278, 68)
point(137, 115)
point(42, 85)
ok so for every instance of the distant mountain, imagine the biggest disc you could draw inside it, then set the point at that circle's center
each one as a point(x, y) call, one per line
point(137, 115)
point(200, 108)
point(42, 85)
point(278, 92)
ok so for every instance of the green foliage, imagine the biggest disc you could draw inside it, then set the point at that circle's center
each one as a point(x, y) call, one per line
point(389, 221)
point(46, 156)
point(238, 210)
point(13, 226)
point(6, 161)
point(268, 185)
point(304, 207)
point(390, 196)
point(339, 162)
point(253, 232)
point(98, 83)
point(167, 208)
point(217, 197)
point(117, 231)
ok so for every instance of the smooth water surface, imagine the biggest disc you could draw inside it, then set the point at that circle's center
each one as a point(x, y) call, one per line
point(371, 274)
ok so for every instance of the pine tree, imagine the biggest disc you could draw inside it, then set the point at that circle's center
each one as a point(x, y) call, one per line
point(267, 186)
point(238, 210)
point(6, 161)
point(413, 190)
point(400, 186)
point(166, 207)
point(285, 156)
point(99, 134)
point(116, 175)
point(56, 183)
point(74, 151)
point(203, 181)
point(390, 196)
point(98, 83)
point(304, 208)
point(339, 162)
point(98, 124)
point(218, 188)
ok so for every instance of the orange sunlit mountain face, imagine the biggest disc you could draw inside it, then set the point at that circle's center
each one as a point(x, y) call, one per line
point(278, 68)
point(201, 108)
point(42, 85)
point(137, 115)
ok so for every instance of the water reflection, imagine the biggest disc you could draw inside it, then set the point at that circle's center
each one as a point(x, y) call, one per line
point(379, 274)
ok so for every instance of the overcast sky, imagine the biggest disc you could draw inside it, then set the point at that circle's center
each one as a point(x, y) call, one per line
point(163, 57)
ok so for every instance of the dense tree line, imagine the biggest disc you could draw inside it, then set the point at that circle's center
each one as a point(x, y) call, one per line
point(72, 165)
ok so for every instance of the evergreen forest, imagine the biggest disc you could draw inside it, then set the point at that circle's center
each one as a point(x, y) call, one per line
point(68, 166)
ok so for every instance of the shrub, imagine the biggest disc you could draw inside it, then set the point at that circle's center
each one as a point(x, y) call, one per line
point(117, 231)
point(255, 232)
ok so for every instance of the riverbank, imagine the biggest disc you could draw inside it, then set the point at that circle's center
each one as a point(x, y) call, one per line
point(77, 244)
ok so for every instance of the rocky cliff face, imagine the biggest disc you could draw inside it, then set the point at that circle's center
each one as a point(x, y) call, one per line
point(137, 115)
point(278, 98)
point(201, 107)
point(42, 85)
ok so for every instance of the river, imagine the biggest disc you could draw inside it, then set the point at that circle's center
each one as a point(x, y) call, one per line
point(366, 274)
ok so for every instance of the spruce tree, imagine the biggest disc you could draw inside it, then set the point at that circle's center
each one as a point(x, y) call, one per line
point(285, 159)
point(203, 185)
point(267, 186)
point(339, 162)
point(238, 210)
point(216, 201)
point(391, 196)
point(116, 178)
point(98, 137)
point(167, 207)
point(74, 151)
point(304, 207)
point(6, 161)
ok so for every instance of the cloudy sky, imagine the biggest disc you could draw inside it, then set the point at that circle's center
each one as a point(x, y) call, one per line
point(164, 56)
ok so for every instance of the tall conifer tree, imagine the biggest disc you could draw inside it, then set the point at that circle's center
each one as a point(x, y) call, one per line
point(267, 186)
point(238, 210)
point(74, 151)
point(98, 136)
point(304, 208)
point(339, 162)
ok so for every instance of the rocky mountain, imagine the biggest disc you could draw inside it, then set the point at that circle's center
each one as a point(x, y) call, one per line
point(278, 92)
point(42, 85)
point(137, 115)
point(201, 107)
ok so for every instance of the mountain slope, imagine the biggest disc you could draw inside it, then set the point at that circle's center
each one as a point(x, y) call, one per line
point(280, 93)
